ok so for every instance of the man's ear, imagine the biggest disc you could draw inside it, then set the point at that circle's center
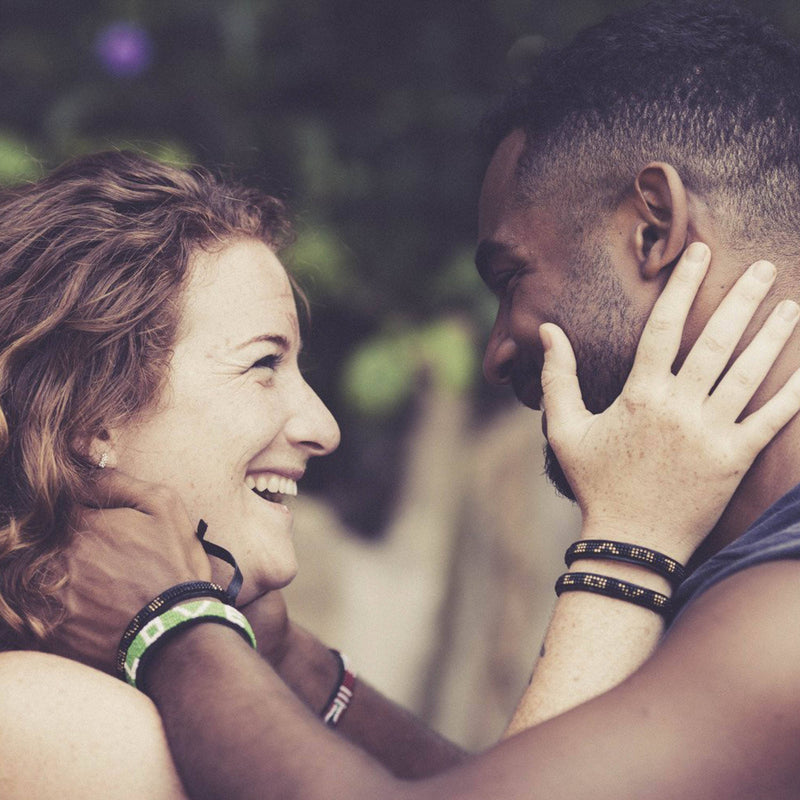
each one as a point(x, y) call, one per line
point(663, 211)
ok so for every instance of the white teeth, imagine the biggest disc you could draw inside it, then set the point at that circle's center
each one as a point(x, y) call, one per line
point(274, 484)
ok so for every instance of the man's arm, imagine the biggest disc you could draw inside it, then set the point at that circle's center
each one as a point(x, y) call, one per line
point(397, 738)
point(581, 661)
point(714, 713)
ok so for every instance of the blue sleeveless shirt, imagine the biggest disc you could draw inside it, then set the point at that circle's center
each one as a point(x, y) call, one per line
point(774, 536)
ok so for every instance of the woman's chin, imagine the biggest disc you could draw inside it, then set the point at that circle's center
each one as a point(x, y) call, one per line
point(277, 576)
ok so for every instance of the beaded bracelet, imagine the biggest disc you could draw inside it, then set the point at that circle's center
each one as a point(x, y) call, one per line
point(163, 602)
point(613, 587)
point(343, 693)
point(665, 566)
point(161, 628)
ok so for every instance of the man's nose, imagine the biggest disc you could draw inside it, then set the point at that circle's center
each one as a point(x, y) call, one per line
point(499, 356)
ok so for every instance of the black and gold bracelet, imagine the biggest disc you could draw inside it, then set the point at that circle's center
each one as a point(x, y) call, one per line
point(613, 587)
point(665, 566)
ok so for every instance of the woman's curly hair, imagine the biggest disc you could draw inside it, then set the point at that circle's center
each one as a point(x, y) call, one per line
point(93, 262)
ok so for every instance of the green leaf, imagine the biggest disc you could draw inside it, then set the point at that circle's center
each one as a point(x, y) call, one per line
point(16, 162)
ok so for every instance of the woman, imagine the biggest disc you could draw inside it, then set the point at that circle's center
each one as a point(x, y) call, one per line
point(148, 326)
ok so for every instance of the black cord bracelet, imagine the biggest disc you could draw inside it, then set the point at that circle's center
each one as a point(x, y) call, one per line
point(665, 566)
point(613, 587)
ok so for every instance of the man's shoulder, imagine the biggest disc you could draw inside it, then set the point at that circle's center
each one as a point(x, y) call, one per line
point(741, 641)
point(774, 536)
point(724, 685)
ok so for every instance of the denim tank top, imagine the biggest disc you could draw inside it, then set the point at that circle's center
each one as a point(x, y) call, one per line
point(774, 536)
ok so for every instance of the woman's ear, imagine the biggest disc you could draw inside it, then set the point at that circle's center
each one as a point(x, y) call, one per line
point(97, 449)
point(663, 217)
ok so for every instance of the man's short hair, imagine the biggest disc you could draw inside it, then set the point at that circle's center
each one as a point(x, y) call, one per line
point(707, 87)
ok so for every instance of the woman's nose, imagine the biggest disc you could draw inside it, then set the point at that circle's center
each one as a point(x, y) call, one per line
point(314, 427)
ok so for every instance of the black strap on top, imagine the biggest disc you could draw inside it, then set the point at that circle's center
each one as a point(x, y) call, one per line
point(224, 555)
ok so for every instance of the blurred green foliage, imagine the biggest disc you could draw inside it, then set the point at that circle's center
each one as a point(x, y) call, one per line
point(382, 371)
point(360, 113)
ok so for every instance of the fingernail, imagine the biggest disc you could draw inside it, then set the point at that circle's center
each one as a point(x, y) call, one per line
point(764, 271)
point(546, 339)
point(696, 252)
point(788, 310)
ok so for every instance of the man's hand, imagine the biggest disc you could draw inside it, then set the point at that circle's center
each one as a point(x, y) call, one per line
point(135, 541)
point(659, 465)
point(269, 619)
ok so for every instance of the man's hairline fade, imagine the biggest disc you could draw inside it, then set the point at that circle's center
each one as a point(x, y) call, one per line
point(587, 149)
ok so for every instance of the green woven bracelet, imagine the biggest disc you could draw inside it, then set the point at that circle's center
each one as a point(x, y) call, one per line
point(159, 629)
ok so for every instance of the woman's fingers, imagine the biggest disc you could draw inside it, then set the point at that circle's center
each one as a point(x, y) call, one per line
point(760, 426)
point(561, 392)
point(715, 345)
point(745, 375)
point(661, 337)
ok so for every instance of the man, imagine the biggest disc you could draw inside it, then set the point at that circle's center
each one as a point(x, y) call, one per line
point(644, 136)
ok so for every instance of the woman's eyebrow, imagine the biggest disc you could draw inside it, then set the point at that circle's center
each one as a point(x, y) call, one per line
point(274, 338)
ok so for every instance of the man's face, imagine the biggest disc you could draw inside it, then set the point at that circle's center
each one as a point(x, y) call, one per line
point(544, 270)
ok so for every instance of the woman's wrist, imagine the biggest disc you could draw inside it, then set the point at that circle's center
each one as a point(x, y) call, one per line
point(679, 548)
point(621, 569)
point(632, 573)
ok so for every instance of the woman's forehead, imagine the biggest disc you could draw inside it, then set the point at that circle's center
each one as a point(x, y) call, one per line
point(239, 293)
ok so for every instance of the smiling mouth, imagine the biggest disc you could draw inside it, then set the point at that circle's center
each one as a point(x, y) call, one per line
point(271, 487)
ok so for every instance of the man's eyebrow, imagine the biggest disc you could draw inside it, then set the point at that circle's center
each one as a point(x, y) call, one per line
point(485, 254)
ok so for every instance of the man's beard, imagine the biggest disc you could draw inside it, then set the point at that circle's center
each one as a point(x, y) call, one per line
point(604, 332)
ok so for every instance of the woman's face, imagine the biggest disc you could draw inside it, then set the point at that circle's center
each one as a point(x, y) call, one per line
point(236, 414)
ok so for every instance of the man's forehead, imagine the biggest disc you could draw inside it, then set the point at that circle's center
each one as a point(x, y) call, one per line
point(498, 192)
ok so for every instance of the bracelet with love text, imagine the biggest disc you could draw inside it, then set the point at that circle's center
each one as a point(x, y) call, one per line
point(161, 628)
point(159, 604)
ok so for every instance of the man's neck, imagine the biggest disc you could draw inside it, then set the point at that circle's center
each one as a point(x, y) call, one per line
point(773, 473)
point(777, 468)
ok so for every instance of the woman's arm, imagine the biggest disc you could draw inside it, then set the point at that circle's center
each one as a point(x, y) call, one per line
point(656, 469)
point(71, 732)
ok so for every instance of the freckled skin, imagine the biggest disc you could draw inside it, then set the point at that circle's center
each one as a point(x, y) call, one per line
point(230, 409)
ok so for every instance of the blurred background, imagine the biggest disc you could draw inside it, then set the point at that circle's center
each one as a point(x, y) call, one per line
point(429, 543)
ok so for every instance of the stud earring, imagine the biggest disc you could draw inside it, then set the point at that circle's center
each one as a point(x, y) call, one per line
point(101, 464)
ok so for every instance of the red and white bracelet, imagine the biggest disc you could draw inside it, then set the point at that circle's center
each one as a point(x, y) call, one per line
point(343, 693)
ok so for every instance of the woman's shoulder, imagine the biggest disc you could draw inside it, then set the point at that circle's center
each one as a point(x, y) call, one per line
point(68, 730)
